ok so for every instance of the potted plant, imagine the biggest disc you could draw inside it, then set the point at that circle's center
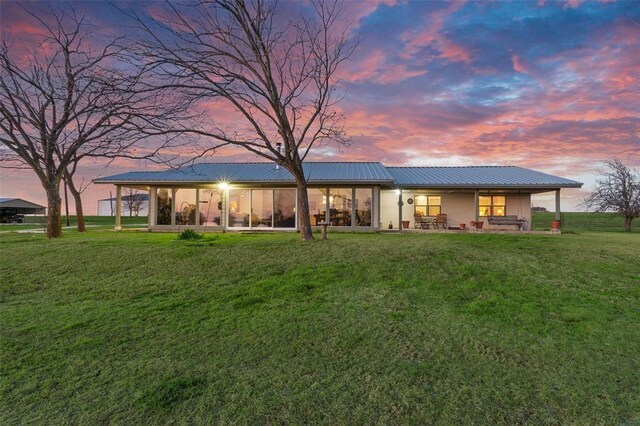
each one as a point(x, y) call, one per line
point(463, 226)
point(477, 225)
point(555, 224)
point(405, 224)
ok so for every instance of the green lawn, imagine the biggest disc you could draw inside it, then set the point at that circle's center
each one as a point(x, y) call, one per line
point(35, 222)
point(584, 221)
point(140, 328)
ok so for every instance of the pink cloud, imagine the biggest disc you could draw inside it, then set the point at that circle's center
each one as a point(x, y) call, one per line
point(518, 65)
point(572, 4)
point(431, 36)
point(377, 68)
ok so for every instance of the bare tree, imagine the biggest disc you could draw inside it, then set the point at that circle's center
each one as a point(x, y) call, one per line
point(278, 75)
point(133, 201)
point(76, 190)
point(618, 190)
point(70, 101)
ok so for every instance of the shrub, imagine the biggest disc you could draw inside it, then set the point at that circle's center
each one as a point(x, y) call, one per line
point(189, 234)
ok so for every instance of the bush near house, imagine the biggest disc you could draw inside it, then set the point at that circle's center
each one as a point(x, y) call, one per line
point(362, 328)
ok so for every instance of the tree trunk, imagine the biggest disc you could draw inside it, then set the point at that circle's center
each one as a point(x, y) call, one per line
point(304, 219)
point(627, 223)
point(54, 211)
point(79, 212)
point(78, 200)
point(66, 204)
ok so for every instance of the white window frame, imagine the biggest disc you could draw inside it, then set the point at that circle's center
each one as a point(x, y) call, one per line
point(251, 227)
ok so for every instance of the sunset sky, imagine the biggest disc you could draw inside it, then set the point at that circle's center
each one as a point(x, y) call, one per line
point(554, 86)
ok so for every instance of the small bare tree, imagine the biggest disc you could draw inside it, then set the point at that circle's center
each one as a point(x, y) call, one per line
point(76, 190)
point(279, 75)
point(618, 190)
point(133, 201)
point(73, 100)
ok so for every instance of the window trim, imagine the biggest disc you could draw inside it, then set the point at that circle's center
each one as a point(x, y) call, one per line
point(492, 206)
point(251, 227)
point(427, 206)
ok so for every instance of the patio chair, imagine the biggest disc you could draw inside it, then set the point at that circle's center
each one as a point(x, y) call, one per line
point(420, 222)
point(441, 221)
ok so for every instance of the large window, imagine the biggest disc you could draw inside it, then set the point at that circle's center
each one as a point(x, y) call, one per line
point(428, 205)
point(239, 208)
point(364, 197)
point(210, 207)
point(284, 208)
point(492, 205)
point(262, 208)
point(340, 203)
point(163, 216)
point(317, 205)
point(185, 206)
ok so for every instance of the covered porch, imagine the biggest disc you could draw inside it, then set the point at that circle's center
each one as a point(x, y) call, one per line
point(439, 209)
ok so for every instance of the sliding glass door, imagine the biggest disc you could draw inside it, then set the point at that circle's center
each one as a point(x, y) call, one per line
point(262, 208)
point(284, 208)
point(239, 208)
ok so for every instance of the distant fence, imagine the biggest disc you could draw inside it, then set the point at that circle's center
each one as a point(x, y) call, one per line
point(89, 220)
point(38, 219)
point(582, 221)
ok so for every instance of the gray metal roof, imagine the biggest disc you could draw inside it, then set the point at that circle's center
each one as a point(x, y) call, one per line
point(136, 197)
point(477, 177)
point(259, 173)
point(18, 203)
point(351, 173)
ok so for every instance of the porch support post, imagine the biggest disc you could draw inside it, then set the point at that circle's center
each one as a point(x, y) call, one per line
point(197, 218)
point(153, 206)
point(353, 207)
point(327, 207)
point(476, 205)
point(173, 206)
point(118, 226)
point(558, 204)
point(400, 204)
point(224, 213)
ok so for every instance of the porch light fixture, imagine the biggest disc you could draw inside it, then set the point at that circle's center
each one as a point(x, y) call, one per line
point(398, 191)
point(223, 185)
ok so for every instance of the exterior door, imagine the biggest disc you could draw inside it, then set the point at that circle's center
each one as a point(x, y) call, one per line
point(261, 208)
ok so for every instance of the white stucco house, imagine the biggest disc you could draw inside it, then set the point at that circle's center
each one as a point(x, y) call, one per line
point(354, 196)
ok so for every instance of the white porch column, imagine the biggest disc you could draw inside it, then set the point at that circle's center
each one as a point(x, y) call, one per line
point(118, 226)
point(173, 206)
point(400, 204)
point(476, 204)
point(197, 218)
point(557, 204)
point(224, 213)
point(327, 215)
point(153, 206)
point(376, 208)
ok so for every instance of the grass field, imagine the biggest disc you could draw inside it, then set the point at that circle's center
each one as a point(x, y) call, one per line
point(141, 328)
point(584, 221)
point(571, 222)
point(36, 222)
